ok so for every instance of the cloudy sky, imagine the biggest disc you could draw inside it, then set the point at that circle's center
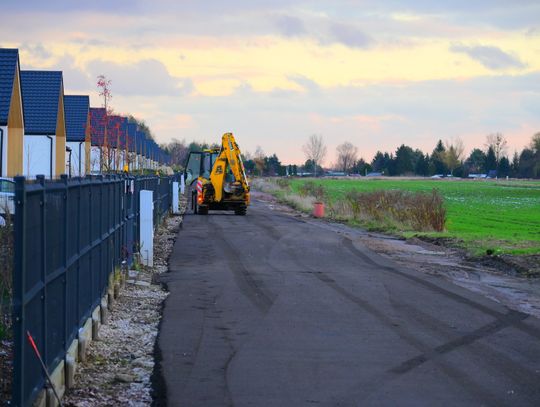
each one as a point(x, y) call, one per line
point(375, 73)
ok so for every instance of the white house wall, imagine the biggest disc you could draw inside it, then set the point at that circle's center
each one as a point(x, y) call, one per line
point(37, 158)
point(95, 160)
point(78, 158)
point(3, 170)
point(121, 160)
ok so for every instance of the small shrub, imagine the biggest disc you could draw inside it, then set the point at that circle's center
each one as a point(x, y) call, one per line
point(417, 211)
point(302, 203)
point(309, 188)
point(283, 183)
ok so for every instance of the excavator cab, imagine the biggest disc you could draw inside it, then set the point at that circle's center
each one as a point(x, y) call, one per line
point(200, 164)
point(217, 179)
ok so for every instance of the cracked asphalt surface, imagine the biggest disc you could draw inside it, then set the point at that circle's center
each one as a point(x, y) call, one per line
point(273, 310)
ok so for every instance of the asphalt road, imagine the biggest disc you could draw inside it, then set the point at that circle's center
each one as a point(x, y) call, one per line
point(271, 310)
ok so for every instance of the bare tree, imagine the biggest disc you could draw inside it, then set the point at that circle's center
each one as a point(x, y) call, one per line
point(535, 143)
point(259, 160)
point(315, 150)
point(499, 144)
point(103, 84)
point(178, 150)
point(346, 156)
point(453, 154)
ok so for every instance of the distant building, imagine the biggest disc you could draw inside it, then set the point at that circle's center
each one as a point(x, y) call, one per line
point(335, 174)
point(11, 114)
point(44, 147)
point(77, 109)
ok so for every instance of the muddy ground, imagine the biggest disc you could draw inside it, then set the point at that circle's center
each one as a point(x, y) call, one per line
point(498, 278)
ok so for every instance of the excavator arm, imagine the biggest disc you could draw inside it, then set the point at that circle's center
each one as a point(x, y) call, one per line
point(229, 158)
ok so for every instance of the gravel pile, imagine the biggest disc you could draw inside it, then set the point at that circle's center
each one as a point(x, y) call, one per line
point(119, 366)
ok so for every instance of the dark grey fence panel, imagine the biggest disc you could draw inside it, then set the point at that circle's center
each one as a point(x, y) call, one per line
point(70, 235)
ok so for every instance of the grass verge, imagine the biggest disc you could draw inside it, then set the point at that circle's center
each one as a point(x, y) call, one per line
point(482, 217)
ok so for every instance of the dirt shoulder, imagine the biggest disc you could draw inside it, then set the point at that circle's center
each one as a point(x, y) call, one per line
point(497, 278)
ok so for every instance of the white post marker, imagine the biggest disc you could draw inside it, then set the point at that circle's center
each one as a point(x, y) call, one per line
point(146, 227)
point(175, 198)
point(182, 184)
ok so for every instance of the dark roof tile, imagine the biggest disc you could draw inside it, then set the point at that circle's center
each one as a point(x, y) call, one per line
point(97, 125)
point(76, 108)
point(9, 59)
point(41, 92)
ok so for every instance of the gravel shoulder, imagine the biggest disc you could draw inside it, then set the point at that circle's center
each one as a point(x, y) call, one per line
point(119, 367)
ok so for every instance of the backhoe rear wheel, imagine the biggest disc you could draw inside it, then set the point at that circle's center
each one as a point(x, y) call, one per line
point(240, 210)
point(202, 210)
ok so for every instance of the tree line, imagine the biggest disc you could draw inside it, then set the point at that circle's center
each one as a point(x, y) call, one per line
point(447, 158)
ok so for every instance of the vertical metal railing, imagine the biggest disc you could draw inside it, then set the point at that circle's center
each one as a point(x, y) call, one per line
point(70, 235)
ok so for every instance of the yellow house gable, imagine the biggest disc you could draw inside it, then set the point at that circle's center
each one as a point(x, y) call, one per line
point(15, 129)
point(60, 137)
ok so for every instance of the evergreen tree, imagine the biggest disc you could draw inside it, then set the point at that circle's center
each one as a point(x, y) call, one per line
point(361, 167)
point(437, 159)
point(403, 162)
point(504, 167)
point(378, 163)
point(527, 164)
point(491, 160)
point(476, 162)
point(514, 168)
point(422, 165)
point(390, 165)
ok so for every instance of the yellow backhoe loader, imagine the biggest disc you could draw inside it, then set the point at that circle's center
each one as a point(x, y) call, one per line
point(217, 179)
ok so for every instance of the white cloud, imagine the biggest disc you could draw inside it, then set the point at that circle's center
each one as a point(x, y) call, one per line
point(146, 77)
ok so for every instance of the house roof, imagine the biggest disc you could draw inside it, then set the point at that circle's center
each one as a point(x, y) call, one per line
point(41, 92)
point(97, 125)
point(131, 133)
point(140, 141)
point(116, 131)
point(9, 60)
point(76, 108)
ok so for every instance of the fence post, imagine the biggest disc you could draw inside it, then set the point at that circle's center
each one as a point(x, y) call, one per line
point(182, 184)
point(64, 179)
point(18, 292)
point(146, 227)
point(175, 198)
point(43, 232)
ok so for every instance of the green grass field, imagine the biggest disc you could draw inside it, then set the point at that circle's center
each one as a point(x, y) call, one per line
point(503, 216)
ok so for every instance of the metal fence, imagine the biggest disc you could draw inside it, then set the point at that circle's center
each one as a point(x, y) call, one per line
point(70, 235)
